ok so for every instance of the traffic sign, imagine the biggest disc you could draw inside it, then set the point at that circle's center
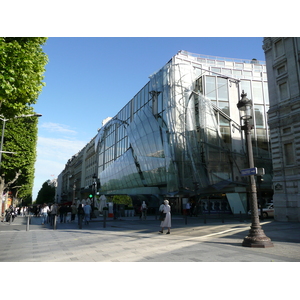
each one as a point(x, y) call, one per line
point(248, 172)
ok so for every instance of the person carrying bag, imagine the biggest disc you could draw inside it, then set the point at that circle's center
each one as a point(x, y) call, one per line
point(165, 216)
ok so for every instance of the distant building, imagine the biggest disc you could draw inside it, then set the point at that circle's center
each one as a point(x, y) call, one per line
point(282, 60)
point(180, 137)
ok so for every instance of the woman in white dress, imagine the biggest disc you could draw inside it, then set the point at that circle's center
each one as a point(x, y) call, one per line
point(167, 221)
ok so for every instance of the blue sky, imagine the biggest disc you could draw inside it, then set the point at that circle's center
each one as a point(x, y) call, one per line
point(91, 78)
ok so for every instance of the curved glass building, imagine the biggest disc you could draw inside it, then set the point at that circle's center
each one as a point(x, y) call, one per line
point(180, 136)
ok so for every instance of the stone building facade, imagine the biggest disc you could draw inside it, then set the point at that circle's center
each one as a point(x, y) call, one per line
point(282, 61)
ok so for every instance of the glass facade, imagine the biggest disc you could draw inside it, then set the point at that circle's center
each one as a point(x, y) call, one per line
point(181, 134)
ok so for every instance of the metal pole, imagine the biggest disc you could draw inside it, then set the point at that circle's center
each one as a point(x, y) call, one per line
point(260, 198)
point(256, 237)
point(54, 222)
point(104, 218)
point(27, 225)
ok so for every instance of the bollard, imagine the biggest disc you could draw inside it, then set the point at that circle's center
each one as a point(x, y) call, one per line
point(27, 225)
point(241, 219)
point(54, 223)
point(104, 219)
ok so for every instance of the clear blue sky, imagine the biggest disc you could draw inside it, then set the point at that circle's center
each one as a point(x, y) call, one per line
point(90, 79)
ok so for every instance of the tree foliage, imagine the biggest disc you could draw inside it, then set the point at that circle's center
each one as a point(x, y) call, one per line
point(20, 137)
point(122, 199)
point(22, 65)
point(46, 194)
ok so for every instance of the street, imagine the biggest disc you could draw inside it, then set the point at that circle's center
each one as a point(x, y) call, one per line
point(135, 240)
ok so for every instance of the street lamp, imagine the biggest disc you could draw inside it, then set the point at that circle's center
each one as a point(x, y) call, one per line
point(256, 237)
point(94, 187)
point(74, 191)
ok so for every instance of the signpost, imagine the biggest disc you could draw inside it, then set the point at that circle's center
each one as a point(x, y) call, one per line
point(252, 171)
point(248, 172)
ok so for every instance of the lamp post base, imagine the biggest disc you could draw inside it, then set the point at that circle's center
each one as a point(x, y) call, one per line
point(257, 239)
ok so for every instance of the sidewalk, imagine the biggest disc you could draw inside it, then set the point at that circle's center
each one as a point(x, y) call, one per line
point(130, 239)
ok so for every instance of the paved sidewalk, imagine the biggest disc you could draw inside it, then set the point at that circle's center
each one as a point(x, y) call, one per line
point(133, 240)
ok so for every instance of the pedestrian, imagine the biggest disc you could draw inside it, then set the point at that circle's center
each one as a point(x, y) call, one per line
point(144, 210)
point(61, 211)
point(53, 213)
point(192, 210)
point(44, 213)
point(80, 214)
point(73, 212)
point(65, 213)
point(10, 214)
point(87, 213)
point(166, 222)
point(187, 208)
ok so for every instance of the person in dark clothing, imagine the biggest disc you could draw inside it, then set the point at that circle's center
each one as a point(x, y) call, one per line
point(80, 214)
point(63, 213)
point(10, 213)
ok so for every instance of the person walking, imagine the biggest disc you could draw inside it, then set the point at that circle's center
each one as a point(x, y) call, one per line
point(44, 213)
point(87, 213)
point(144, 210)
point(10, 214)
point(62, 210)
point(53, 213)
point(188, 208)
point(166, 209)
point(73, 212)
point(80, 214)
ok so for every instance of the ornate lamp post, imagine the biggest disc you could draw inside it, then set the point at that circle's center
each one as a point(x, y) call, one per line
point(94, 188)
point(256, 237)
point(74, 191)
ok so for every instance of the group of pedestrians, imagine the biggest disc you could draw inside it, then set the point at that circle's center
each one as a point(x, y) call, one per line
point(83, 213)
point(48, 213)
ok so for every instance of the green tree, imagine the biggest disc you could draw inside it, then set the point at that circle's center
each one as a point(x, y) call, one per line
point(122, 199)
point(46, 194)
point(22, 65)
point(21, 138)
